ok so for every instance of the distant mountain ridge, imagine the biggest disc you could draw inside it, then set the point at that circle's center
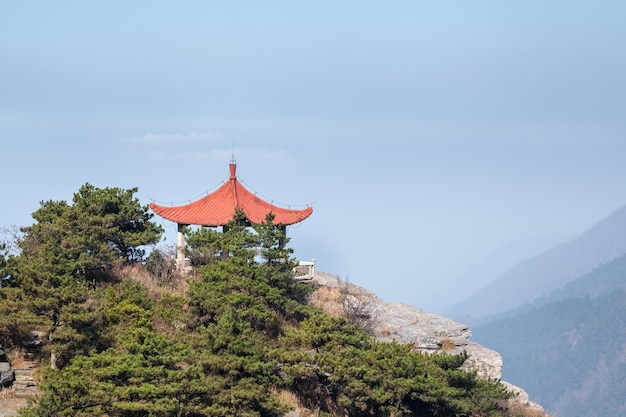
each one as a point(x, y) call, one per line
point(601, 281)
point(490, 267)
point(538, 276)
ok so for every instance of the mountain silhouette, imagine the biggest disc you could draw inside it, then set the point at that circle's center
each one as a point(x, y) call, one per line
point(538, 276)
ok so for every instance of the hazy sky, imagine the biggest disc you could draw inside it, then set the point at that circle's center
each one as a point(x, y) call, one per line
point(425, 134)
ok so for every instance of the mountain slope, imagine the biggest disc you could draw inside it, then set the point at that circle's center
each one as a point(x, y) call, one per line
point(569, 355)
point(600, 281)
point(537, 276)
point(568, 350)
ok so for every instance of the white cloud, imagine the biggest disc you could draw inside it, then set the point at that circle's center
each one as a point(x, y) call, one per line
point(202, 146)
point(175, 138)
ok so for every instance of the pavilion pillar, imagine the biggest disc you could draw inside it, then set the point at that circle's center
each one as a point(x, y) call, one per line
point(283, 240)
point(180, 248)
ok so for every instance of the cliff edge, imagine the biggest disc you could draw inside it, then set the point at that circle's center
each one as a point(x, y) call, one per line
point(403, 323)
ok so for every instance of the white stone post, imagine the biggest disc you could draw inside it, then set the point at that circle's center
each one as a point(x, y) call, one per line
point(180, 249)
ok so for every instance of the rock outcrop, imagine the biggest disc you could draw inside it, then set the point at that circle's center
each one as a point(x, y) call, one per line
point(7, 375)
point(427, 332)
point(19, 378)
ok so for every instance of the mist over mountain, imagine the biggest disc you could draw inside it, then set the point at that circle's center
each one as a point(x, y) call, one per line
point(601, 281)
point(481, 273)
point(537, 276)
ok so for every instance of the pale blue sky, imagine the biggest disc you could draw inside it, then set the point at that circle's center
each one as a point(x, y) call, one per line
point(426, 134)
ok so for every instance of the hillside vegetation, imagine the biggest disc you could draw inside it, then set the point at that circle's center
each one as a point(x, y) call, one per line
point(128, 338)
point(568, 350)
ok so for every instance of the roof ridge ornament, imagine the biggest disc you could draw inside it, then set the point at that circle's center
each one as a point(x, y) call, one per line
point(233, 164)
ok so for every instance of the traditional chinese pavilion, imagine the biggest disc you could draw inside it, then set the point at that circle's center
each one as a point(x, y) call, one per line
point(218, 208)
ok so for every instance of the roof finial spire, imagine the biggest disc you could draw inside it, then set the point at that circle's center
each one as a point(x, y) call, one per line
point(233, 164)
point(232, 158)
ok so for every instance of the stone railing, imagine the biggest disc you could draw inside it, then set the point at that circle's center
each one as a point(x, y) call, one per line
point(305, 271)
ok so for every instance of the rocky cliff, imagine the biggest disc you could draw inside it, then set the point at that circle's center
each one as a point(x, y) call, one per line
point(389, 321)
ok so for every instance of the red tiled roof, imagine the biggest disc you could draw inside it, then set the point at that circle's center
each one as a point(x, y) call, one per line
point(218, 208)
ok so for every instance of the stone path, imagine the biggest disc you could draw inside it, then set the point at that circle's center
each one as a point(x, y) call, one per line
point(10, 405)
point(24, 387)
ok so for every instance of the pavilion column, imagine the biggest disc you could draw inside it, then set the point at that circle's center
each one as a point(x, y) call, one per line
point(180, 248)
point(282, 241)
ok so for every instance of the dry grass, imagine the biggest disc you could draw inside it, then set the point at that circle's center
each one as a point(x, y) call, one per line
point(291, 400)
point(16, 357)
point(385, 332)
point(19, 358)
point(138, 272)
point(447, 344)
point(517, 409)
point(6, 393)
point(328, 300)
point(342, 302)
